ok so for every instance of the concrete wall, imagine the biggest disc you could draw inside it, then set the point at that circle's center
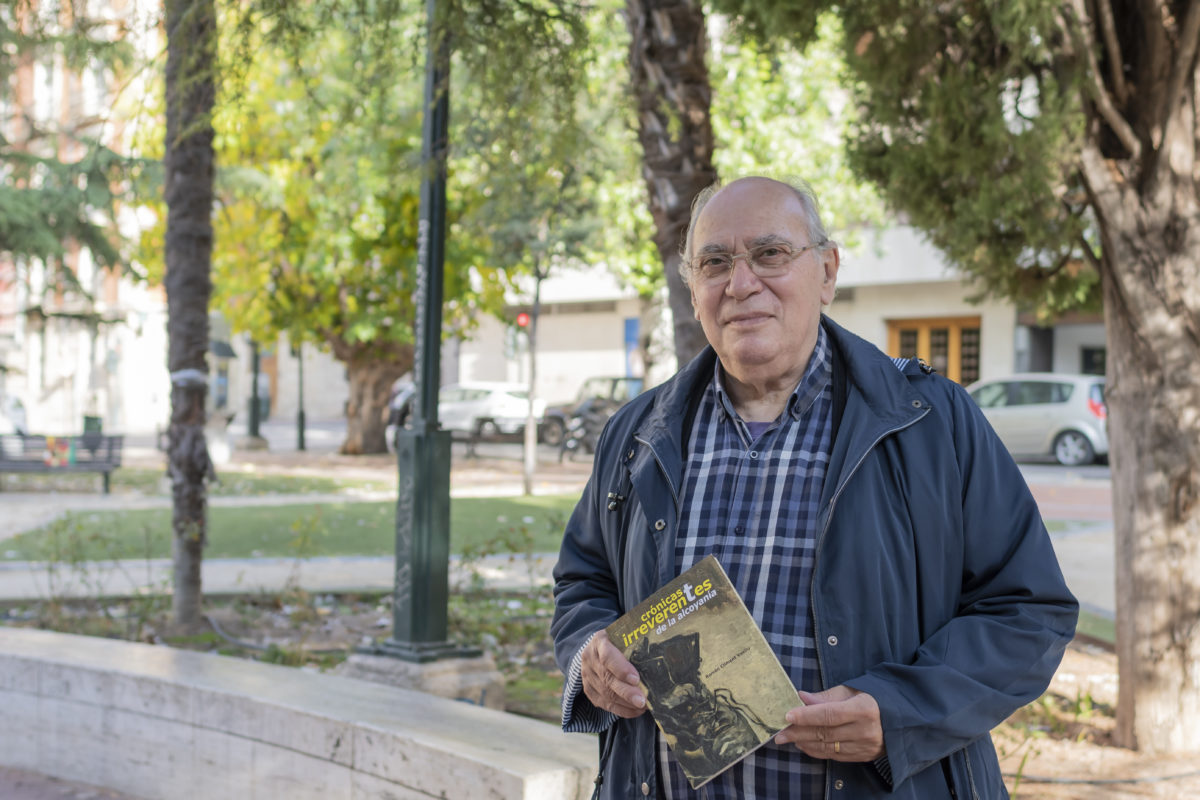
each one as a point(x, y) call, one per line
point(156, 722)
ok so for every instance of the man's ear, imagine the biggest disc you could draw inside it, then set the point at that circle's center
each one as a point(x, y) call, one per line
point(830, 261)
point(695, 307)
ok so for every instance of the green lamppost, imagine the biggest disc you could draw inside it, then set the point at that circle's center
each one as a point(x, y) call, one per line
point(419, 614)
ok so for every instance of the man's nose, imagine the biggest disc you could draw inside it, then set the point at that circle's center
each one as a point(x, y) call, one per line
point(743, 281)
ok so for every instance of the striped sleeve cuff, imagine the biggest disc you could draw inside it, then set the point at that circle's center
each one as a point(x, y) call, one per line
point(884, 768)
point(582, 717)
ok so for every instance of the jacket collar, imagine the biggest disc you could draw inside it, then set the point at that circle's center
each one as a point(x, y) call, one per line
point(879, 399)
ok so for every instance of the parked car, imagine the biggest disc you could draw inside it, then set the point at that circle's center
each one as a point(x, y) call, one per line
point(598, 396)
point(1046, 413)
point(482, 409)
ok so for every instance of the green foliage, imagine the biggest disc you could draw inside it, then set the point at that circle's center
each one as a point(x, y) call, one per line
point(61, 183)
point(47, 204)
point(781, 111)
point(969, 125)
point(319, 152)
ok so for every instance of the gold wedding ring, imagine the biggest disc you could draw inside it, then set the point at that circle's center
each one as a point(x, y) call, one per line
point(837, 747)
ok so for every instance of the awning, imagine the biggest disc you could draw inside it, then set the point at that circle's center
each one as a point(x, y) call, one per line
point(220, 349)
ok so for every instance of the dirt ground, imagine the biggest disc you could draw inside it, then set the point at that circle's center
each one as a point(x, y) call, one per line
point(1067, 737)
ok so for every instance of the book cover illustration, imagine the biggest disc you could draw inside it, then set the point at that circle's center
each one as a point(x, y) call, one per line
point(712, 682)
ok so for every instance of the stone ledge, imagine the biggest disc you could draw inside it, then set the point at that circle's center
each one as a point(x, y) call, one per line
point(157, 722)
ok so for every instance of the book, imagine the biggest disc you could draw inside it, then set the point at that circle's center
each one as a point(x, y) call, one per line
point(715, 687)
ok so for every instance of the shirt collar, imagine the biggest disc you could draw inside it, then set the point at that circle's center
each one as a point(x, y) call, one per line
point(816, 376)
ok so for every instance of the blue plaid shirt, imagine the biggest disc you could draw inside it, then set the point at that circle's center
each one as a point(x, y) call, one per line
point(752, 501)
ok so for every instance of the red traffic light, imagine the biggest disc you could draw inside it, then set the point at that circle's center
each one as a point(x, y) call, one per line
point(523, 320)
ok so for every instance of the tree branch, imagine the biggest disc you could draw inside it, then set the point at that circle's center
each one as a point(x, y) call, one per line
point(1181, 70)
point(1116, 60)
point(1086, 41)
point(1086, 247)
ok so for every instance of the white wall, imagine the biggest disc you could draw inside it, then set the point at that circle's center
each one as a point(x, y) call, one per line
point(119, 373)
point(898, 254)
point(326, 388)
point(1069, 341)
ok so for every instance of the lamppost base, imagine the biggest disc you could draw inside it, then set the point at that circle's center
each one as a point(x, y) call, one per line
point(440, 669)
point(420, 652)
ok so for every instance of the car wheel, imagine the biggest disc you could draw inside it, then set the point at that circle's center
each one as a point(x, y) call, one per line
point(1072, 449)
point(486, 429)
point(553, 432)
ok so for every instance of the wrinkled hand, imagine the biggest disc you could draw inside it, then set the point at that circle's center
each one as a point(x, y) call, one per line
point(841, 724)
point(609, 680)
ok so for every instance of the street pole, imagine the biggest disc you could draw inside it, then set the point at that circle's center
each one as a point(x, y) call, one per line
point(421, 596)
point(300, 412)
point(252, 424)
point(531, 427)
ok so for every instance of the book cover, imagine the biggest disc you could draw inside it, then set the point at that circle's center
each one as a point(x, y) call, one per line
point(712, 682)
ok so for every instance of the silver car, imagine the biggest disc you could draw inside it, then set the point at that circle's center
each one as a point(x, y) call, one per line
point(485, 409)
point(1047, 413)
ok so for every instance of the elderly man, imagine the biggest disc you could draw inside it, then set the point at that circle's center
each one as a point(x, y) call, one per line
point(876, 528)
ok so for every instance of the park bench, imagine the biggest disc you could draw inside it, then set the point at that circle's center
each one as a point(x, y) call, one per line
point(90, 452)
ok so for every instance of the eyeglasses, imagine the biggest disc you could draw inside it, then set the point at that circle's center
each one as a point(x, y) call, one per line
point(766, 261)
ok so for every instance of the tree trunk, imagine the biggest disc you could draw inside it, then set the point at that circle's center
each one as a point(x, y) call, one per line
point(371, 374)
point(188, 161)
point(670, 81)
point(1151, 274)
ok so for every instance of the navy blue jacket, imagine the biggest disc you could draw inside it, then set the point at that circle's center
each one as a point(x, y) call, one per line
point(935, 588)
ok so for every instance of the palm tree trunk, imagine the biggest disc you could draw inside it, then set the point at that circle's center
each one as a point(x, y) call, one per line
point(670, 83)
point(188, 160)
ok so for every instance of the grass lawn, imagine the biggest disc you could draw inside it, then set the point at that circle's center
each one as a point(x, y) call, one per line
point(477, 525)
point(1098, 627)
point(234, 483)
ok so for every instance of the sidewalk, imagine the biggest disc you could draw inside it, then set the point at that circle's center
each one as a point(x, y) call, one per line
point(1085, 549)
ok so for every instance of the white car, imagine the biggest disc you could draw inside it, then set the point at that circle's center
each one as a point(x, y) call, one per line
point(479, 408)
point(486, 409)
point(1047, 413)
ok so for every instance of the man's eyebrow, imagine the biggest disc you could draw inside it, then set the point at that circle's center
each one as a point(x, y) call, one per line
point(768, 238)
point(758, 241)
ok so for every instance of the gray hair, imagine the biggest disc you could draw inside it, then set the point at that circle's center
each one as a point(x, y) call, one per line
point(804, 193)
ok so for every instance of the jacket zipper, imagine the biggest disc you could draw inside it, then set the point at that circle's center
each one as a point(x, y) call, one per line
point(970, 773)
point(661, 468)
point(812, 591)
point(605, 751)
point(812, 599)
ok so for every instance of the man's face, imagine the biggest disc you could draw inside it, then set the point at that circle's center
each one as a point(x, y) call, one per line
point(763, 329)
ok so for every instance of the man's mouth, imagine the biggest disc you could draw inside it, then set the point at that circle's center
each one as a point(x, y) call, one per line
point(746, 319)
